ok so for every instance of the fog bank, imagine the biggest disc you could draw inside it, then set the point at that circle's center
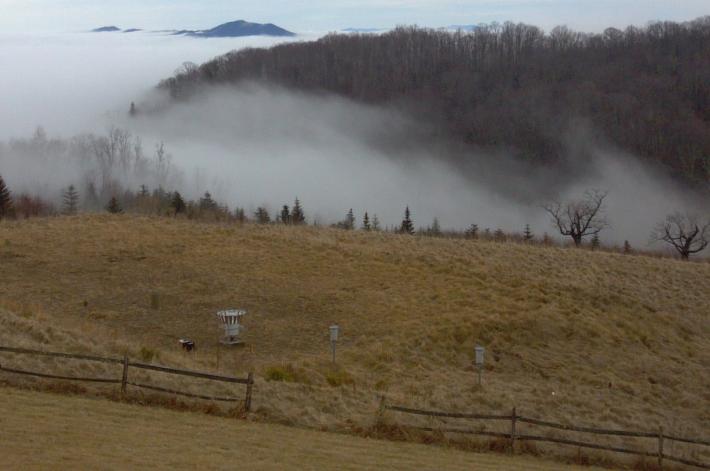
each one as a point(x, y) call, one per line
point(72, 83)
point(264, 145)
point(260, 145)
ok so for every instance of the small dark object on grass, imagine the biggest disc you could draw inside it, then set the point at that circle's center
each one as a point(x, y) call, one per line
point(187, 344)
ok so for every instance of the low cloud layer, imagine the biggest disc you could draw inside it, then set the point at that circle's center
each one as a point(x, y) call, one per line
point(72, 83)
point(265, 145)
point(260, 145)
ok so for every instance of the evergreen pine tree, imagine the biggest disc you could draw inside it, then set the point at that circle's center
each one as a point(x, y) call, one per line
point(5, 200)
point(376, 223)
point(435, 229)
point(178, 204)
point(349, 222)
point(627, 247)
point(113, 206)
point(285, 215)
point(207, 203)
point(527, 234)
point(407, 226)
point(133, 110)
point(298, 217)
point(472, 232)
point(240, 215)
point(70, 200)
point(595, 242)
point(499, 235)
point(262, 215)
point(366, 226)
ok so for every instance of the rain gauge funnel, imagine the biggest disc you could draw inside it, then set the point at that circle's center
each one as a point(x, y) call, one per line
point(231, 320)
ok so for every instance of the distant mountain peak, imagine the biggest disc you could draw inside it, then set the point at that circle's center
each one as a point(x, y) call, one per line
point(238, 28)
point(106, 29)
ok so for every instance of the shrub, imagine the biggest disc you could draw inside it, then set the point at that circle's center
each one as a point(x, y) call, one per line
point(287, 373)
point(278, 373)
point(147, 354)
point(338, 378)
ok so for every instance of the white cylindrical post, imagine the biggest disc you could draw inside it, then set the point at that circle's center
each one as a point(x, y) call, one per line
point(480, 357)
point(334, 332)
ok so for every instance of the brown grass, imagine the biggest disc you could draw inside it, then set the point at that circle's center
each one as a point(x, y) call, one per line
point(571, 335)
point(47, 431)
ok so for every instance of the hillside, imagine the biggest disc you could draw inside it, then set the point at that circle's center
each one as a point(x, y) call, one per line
point(572, 335)
point(545, 98)
point(41, 430)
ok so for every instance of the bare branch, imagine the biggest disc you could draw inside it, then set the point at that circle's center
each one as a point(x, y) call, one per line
point(581, 218)
point(684, 232)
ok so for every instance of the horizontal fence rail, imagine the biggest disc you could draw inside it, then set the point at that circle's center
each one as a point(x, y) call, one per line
point(516, 419)
point(180, 393)
point(599, 431)
point(483, 433)
point(692, 441)
point(697, 464)
point(453, 415)
point(194, 374)
point(72, 356)
point(564, 441)
point(67, 378)
point(124, 382)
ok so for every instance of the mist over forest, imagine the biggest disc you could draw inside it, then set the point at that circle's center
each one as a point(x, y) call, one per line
point(469, 129)
point(512, 87)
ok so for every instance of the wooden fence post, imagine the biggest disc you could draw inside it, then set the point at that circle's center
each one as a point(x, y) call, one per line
point(247, 400)
point(513, 420)
point(660, 447)
point(124, 378)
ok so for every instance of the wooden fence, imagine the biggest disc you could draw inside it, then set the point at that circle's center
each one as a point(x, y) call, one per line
point(513, 435)
point(125, 381)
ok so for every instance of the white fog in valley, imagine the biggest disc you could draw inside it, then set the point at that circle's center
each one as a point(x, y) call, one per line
point(72, 83)
point(256, 145)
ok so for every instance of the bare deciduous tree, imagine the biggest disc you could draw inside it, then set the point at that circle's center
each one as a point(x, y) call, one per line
point(580, 218)
point(685, 232)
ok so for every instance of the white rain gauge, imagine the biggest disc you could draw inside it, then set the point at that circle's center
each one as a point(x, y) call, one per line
point(231, 320)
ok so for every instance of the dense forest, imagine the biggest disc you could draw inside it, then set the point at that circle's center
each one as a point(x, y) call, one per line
point(511, 87)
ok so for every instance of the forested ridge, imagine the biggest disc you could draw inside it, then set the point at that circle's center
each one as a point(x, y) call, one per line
point(511, 86)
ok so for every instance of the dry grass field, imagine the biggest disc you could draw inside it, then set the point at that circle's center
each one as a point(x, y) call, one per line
point(45, 431)
point(574, 336)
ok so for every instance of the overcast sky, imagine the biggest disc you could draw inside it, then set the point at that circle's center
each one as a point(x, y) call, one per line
point(329, 15)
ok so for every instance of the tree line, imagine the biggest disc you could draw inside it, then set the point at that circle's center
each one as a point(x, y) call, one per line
point(511, 86)
point(579, 220)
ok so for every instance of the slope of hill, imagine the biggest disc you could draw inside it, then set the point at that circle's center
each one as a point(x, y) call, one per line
point(542, 97)
point(595, 338)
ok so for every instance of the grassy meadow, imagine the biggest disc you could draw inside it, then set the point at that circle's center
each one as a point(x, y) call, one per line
point(591, 338)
